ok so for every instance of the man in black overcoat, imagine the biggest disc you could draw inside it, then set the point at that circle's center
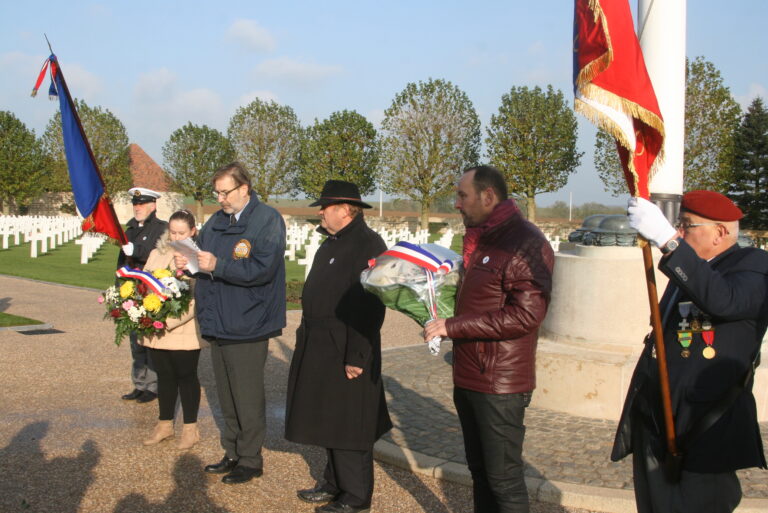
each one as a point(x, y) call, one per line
point(335, 394)
point(143, 231)
point(714, 315)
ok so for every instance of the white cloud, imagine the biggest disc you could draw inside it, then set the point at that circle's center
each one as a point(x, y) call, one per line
point(375, 116)
point(263, 95)
point(251, 36)
point(83, 84)
point(753, 92)
point(160, 106)
point(291, 70)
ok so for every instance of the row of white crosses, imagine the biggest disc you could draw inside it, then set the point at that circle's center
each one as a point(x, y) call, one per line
point(43, 232)
point(303, 236)
point(555, 243)
point(89, 244)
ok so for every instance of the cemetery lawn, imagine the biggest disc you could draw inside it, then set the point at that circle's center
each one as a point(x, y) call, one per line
point(62, 265)
point(8, 320)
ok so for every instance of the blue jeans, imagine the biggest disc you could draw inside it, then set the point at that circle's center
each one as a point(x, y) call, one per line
point(493, 430)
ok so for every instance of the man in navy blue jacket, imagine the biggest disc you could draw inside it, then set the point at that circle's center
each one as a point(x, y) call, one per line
point(715, 311)
point(240, 305)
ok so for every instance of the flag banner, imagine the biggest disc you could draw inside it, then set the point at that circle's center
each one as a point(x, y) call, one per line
point(612, 87)
point(91, 197)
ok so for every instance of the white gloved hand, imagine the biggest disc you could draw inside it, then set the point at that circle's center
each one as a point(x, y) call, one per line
point(650, 221)
point(128, 249)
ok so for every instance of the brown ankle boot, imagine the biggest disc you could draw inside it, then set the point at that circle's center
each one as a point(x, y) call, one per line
point(189, 436)
point(163, 429)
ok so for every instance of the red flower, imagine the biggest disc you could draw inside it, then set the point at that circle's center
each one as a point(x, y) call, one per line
point(146, 322)
point(115, 313)
point(142, 288)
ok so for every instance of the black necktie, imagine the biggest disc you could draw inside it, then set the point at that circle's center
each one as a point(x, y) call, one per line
point(232, 219)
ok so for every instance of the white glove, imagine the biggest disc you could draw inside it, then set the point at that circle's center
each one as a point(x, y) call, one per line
point(128, 249)
point(649, 221)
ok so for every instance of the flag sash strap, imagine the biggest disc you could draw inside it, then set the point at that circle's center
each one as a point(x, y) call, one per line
point(419, 256)
point(145, 277)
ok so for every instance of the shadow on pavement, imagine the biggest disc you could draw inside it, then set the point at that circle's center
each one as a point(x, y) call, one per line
point(33, 482)
point(403, 400)
point(189, 494)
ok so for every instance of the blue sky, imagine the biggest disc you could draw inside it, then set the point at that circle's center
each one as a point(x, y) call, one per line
point(158, 65)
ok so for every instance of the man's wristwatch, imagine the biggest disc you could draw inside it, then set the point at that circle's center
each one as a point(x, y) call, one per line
point(669, 247)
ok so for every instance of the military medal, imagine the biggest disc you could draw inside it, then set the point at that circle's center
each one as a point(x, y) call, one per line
point(695, 318)
point(685, 338)
point(709, 339)
point(706, 325)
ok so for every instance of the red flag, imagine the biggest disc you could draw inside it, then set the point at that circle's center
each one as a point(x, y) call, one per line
point(613, 89)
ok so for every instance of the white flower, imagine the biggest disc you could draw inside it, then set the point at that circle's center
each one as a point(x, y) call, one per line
point(111, 294)
point(136, 312)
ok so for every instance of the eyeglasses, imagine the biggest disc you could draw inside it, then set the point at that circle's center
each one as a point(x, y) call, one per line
point(685, 225)
point(223, 194)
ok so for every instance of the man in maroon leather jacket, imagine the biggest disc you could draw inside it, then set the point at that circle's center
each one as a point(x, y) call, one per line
point(501, 302)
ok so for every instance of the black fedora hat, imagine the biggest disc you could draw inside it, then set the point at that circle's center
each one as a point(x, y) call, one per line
point(339, 191)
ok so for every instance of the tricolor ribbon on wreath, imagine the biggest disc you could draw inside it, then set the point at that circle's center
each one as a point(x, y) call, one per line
point(144, 277)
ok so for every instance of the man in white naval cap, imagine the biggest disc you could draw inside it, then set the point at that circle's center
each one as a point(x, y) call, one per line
point(143, 232)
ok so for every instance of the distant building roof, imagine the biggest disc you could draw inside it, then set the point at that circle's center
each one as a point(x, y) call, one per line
point(145, 172)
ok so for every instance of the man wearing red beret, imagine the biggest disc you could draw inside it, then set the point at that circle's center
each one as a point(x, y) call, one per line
point(714, 315)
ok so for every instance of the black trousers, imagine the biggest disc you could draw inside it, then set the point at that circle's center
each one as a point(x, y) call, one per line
point(493, 430)
point(349, 475)
point(239, 372)
point(177, 377)
point(694, 493)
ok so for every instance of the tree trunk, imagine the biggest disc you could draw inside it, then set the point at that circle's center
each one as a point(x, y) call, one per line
point(425, 204)
point(200, 212)
point(530, 202)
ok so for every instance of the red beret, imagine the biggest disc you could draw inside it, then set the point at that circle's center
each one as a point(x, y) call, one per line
point(712, 205)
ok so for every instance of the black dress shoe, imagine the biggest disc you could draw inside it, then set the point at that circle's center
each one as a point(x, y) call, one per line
point(132, 395)
point(241, 474)
point(340, 507)
point(316, 494)
point(222, 467)
point(146, 396)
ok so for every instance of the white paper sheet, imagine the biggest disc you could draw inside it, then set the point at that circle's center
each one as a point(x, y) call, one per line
point(189, 249)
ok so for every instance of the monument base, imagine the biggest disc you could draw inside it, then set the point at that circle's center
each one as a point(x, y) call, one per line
point(593, 334)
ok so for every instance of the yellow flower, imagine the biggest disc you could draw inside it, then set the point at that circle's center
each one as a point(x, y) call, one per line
point(126, 289)
point(152, 303)
point(162, 273)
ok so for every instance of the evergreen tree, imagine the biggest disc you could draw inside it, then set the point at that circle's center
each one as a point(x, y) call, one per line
point(749, 178)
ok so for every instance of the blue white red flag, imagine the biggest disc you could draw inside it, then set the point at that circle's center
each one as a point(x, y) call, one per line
point(613, 89)
point(91, 196)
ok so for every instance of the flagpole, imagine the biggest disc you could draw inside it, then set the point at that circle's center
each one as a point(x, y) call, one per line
point(123, 238)
point(661, 353)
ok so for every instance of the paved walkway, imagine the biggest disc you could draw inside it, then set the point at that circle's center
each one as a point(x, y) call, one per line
point(69, 444)
point(567, 457)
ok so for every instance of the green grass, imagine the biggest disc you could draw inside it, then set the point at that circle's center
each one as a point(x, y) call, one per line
point(62, 265)
point(7, 320)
